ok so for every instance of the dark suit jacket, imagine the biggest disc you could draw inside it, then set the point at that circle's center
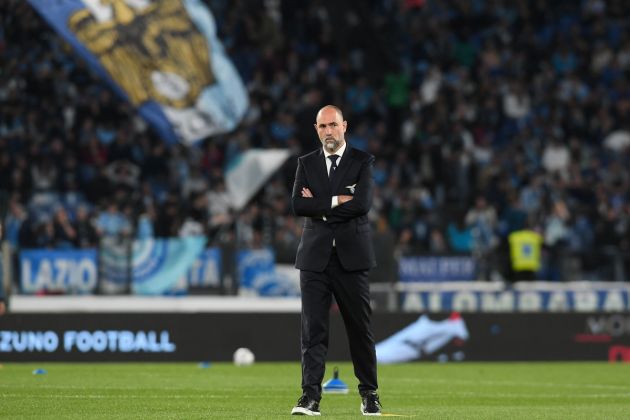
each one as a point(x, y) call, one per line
point(347, 223)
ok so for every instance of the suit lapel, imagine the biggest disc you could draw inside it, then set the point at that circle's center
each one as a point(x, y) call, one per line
point(346, 162)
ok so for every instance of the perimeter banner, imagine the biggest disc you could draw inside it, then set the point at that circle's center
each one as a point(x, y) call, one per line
point(400, 337)
point(157, 266)
point(58, 271)
point(163, 56)
point(598, 297)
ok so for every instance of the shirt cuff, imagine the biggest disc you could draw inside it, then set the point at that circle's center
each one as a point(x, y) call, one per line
point(335, 201)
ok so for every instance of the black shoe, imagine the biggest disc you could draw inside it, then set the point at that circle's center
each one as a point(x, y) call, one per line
point(306, 407)
point(370, 405)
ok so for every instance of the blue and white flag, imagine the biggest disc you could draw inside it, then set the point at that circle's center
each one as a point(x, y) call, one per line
point(249, 171)
point(206, 269)
point(163, 56)
point(157, 265)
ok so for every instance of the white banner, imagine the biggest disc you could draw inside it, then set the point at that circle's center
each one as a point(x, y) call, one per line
point(249, 171)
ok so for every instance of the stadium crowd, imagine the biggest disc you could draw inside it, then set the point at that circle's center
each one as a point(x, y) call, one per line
point(485, 116)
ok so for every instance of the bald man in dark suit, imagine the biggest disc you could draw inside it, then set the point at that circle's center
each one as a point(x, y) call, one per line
point(333, 190)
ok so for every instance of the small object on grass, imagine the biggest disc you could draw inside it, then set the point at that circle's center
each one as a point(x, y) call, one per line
point(335, 385)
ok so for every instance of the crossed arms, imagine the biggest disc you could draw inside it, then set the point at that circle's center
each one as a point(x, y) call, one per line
point(305, 203)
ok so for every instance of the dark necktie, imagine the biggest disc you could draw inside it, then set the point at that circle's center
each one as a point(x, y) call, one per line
point(333, 166)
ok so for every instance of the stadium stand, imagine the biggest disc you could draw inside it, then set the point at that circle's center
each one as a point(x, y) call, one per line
point(484, 116)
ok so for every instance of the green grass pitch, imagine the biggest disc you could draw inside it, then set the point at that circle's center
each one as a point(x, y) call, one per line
point(269, 390)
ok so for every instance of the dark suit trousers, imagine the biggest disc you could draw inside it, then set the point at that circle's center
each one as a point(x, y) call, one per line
point(352, 293)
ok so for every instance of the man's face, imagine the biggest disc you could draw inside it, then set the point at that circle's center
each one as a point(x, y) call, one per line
point(330, 129)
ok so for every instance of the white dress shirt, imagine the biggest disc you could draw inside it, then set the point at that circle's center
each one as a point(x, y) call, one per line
point(335, 199)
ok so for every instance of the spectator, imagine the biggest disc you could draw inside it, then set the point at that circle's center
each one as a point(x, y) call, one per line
point(525, 254)
point(556, 157)
point(3, 305)
point(112, 222)
point(16, 215)
point(86, 235)
point(460, 237)
point(65, 232)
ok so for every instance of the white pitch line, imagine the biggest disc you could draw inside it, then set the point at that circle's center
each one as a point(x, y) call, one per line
point(543, 395)
point(104, 397)
point(513, 383)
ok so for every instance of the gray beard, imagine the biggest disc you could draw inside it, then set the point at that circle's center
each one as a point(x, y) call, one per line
point(331, 146)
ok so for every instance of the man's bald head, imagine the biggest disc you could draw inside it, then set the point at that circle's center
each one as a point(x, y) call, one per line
point(331, 128)
point(329, 107)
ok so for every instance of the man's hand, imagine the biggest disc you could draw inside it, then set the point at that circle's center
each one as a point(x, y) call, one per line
point(306, 193)
point(344, 198)
point(3, 308)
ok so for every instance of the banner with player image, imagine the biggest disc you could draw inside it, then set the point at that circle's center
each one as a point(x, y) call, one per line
point(214, 333)
point(423, 338)
point(163, 56)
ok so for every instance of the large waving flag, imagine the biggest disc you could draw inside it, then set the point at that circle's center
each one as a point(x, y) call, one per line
point(164, 56)
point(249, 171)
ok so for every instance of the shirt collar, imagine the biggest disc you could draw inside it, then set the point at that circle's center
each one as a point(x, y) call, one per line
point(339, 152)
